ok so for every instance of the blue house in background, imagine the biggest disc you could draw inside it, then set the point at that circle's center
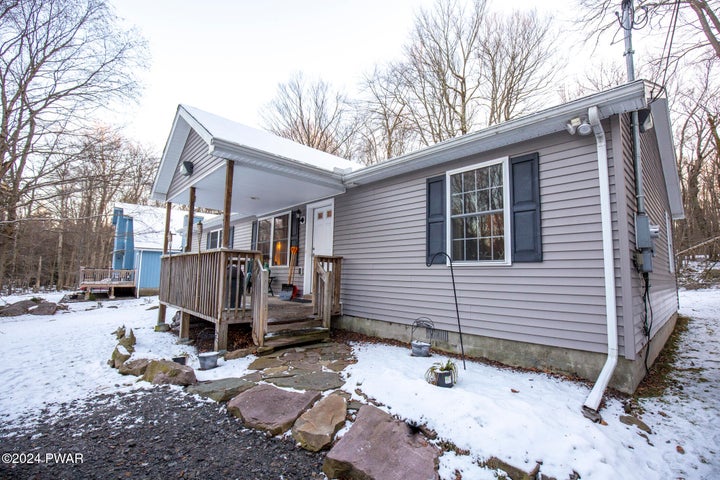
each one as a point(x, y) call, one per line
point(138, 243)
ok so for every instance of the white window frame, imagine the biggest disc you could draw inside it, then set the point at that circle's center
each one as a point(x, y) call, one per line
point(272, 235)
point(505, 162)
point(217, 233)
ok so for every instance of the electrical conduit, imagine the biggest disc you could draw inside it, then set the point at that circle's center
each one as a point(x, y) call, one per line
point(593, 400)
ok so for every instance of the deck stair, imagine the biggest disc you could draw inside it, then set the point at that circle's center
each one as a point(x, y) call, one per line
point(287, 333)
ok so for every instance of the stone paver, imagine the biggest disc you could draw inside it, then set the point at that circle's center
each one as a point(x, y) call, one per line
point(269, 408)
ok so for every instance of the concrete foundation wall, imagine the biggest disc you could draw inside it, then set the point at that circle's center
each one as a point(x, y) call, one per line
point(587, 365)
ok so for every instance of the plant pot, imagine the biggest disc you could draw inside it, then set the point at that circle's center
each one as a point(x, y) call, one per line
point(208, 360)
point(180, 360)
point(420, 349)
point(444, 378)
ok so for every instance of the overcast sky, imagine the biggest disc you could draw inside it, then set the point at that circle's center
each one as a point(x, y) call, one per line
point(228, 56)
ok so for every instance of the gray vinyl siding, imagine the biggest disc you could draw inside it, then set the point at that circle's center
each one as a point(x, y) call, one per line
point(380, 232)
point(663, 290)
point(195, 150)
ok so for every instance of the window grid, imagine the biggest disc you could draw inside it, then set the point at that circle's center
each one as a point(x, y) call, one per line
point(477, 214)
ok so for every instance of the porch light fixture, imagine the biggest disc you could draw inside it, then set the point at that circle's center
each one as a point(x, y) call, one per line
point(578, 125)
point(187, 168)
point(645, 120)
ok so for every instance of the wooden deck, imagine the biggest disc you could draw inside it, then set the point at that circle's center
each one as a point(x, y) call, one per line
point(105, 280)
point(230, 286)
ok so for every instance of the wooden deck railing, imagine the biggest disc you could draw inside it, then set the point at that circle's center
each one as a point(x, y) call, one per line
point(106, 276)
point(327, 272)
point(212, 285)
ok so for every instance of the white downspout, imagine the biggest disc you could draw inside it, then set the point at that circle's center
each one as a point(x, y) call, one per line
point(595, 397)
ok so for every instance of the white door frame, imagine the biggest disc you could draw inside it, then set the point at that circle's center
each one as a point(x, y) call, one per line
point(309, 227)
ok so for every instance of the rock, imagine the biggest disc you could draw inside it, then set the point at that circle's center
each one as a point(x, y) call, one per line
point(220, 390)
point(265, 362)
point(44, 308)
point(512, 471)
point(240, 353)
point(363, 453)
point(161, 372)
point(318, 381)
point(120, 332)
point(269, 408)
point(17, 308)
point(119, 356)
point(135, 367)
point(315, 429)
point(162, 327)
point(128, 341)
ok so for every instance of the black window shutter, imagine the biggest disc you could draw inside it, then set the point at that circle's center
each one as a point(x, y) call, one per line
point(232, 237)
point(254, 235)
point(436, 234)
point(207, 242)
point(525, 214)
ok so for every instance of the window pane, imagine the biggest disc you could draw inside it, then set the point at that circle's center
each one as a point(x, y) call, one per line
point(457, 204)
point(263, 239)
point(469, 181)
point(485, 249)
point(483, 201)
point(477, 214)
point(458, 227)
point(498, 248)
point(471, 250)
point(281, 237)
point(496, 199)
point(498, 225)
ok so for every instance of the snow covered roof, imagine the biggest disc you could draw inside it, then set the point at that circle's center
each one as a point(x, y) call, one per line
point(149, 225)
point(221, 129)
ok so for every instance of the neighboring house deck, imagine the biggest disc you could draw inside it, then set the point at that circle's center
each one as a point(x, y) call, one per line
point(106, 281)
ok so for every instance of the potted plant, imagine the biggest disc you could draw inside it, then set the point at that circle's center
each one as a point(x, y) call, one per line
point(180, 358)
point(442, 374)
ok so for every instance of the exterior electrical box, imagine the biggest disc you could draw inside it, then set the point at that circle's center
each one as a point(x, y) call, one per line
point(645, 235)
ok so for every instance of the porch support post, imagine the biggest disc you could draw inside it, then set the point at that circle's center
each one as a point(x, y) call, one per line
point(162, 310)
point(184, 326)
point(191, 220)
point(229, 170)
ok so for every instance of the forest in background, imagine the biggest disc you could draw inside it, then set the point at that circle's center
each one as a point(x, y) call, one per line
point(64, 63)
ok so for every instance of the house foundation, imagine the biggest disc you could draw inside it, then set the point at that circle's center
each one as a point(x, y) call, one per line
point(587, 365)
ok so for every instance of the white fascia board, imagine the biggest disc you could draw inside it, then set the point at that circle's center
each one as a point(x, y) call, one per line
point(663, 132)
point(170, 157)
point(261, 160)
point(625, 98)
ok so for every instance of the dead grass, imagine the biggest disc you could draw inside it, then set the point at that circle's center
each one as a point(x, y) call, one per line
point(660, 379)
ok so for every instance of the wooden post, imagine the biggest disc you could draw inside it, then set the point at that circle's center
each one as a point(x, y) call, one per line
point(162, 310)
point(184, 326)
point(191, 220)
point(221, 328)
point(229, 170)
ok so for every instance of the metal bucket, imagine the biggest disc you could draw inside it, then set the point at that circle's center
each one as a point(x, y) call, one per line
point(420, 349)
point(208, 360)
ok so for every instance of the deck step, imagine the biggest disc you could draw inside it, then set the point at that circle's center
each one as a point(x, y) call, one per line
point(287, 326)
point(287, 338)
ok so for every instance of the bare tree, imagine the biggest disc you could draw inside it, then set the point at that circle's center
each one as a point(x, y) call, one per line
point(386, 128)
point(463, 69)
point(60, 60)
point(442, 73)
point(515, 54)
point(312, 114)
point(695, 22)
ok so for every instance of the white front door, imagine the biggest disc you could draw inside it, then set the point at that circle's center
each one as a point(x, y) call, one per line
point(320, 220)
point(322, 230)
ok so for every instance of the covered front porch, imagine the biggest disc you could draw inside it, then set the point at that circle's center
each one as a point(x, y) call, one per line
point(264, 183)
point(229, 286)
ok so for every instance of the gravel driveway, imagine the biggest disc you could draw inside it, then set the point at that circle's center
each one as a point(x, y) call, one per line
point(155, 433)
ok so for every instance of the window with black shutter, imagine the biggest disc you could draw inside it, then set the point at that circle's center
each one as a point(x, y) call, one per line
point(494, 213)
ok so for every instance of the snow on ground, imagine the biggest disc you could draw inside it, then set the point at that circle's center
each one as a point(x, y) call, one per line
point(518, 417)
